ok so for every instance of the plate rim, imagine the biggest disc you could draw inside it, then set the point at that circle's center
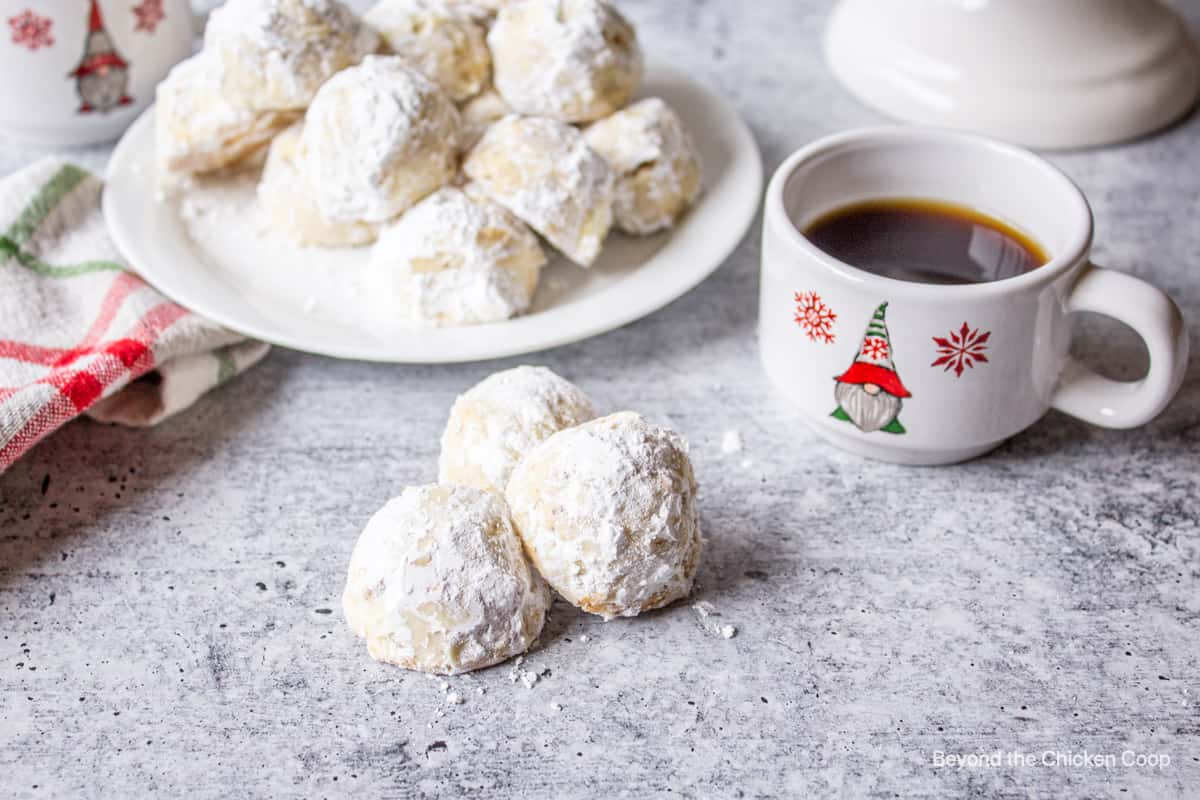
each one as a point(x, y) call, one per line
point(122, 227)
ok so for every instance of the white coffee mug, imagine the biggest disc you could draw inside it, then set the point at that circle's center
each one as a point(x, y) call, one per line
point(920, 373)
point(80, 71)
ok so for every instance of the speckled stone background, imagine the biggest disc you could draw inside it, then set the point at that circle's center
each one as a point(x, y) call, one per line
point(169, 598)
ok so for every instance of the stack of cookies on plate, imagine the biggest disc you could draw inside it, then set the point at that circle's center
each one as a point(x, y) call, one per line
point(446, 134)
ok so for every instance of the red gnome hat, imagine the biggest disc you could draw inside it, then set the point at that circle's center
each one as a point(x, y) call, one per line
point(99, 53)
point(873, 364)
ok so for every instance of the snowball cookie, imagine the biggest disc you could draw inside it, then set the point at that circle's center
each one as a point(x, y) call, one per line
point(496, 422)
point(378, 137)
point(454, 259)
point(438, 583)
point(573, 60)
point(275, 54)
point(286, 198)
point(544, 172)
point(657, 165)
point(607, 512)
point(480, 113)
point(196, 129)
point(442, 43)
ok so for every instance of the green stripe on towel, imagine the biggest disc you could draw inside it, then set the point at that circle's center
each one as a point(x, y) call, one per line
point(44, 203)
point(40, 207)
point(226, 366)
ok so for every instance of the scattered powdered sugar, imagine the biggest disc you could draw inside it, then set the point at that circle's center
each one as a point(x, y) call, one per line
point(229, 232)
point(446, 561)
point(527, 677)
point(607, 513)
point(731, 442)
point(708, 616)
point(545, 173)
point(496, 422)
point(455, 258)
point(454, 699)
point(574, 60)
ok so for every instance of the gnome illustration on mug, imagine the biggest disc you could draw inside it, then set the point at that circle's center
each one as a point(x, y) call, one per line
point(102, 77)
point(870, 393)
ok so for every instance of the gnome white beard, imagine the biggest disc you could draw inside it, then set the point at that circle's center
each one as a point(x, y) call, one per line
point(869, 412)
point(103, 90)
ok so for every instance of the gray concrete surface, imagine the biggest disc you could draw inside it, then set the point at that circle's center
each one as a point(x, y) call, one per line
point(169, 614)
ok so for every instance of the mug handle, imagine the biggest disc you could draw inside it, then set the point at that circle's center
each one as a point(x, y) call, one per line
point(1155, 317)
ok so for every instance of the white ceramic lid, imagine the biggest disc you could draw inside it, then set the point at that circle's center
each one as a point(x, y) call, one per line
point(1043, 73)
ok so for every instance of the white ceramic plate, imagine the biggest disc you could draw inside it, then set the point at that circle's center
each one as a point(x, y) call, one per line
point(210, 254)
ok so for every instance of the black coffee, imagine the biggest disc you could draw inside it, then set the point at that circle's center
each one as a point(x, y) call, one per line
point(925, 241)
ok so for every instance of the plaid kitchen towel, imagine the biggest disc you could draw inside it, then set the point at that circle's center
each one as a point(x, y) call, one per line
point(77, 330)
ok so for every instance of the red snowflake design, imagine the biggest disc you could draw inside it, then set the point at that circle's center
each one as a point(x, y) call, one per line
point(874, 347)
point(964, 348)
point(31, 30)
point(815, 317)
point(149, 13)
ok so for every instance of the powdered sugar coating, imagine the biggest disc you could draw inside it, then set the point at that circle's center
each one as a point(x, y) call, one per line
point(453, 259)
point(288, 202)
point(438, 583)
point(607, 513)
point(543, 171)
point(378, 137)
point(197, 130)
point(443, 43)
point(275, 54)
point(496, 422)
point(658, 167)
point(573, 60)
